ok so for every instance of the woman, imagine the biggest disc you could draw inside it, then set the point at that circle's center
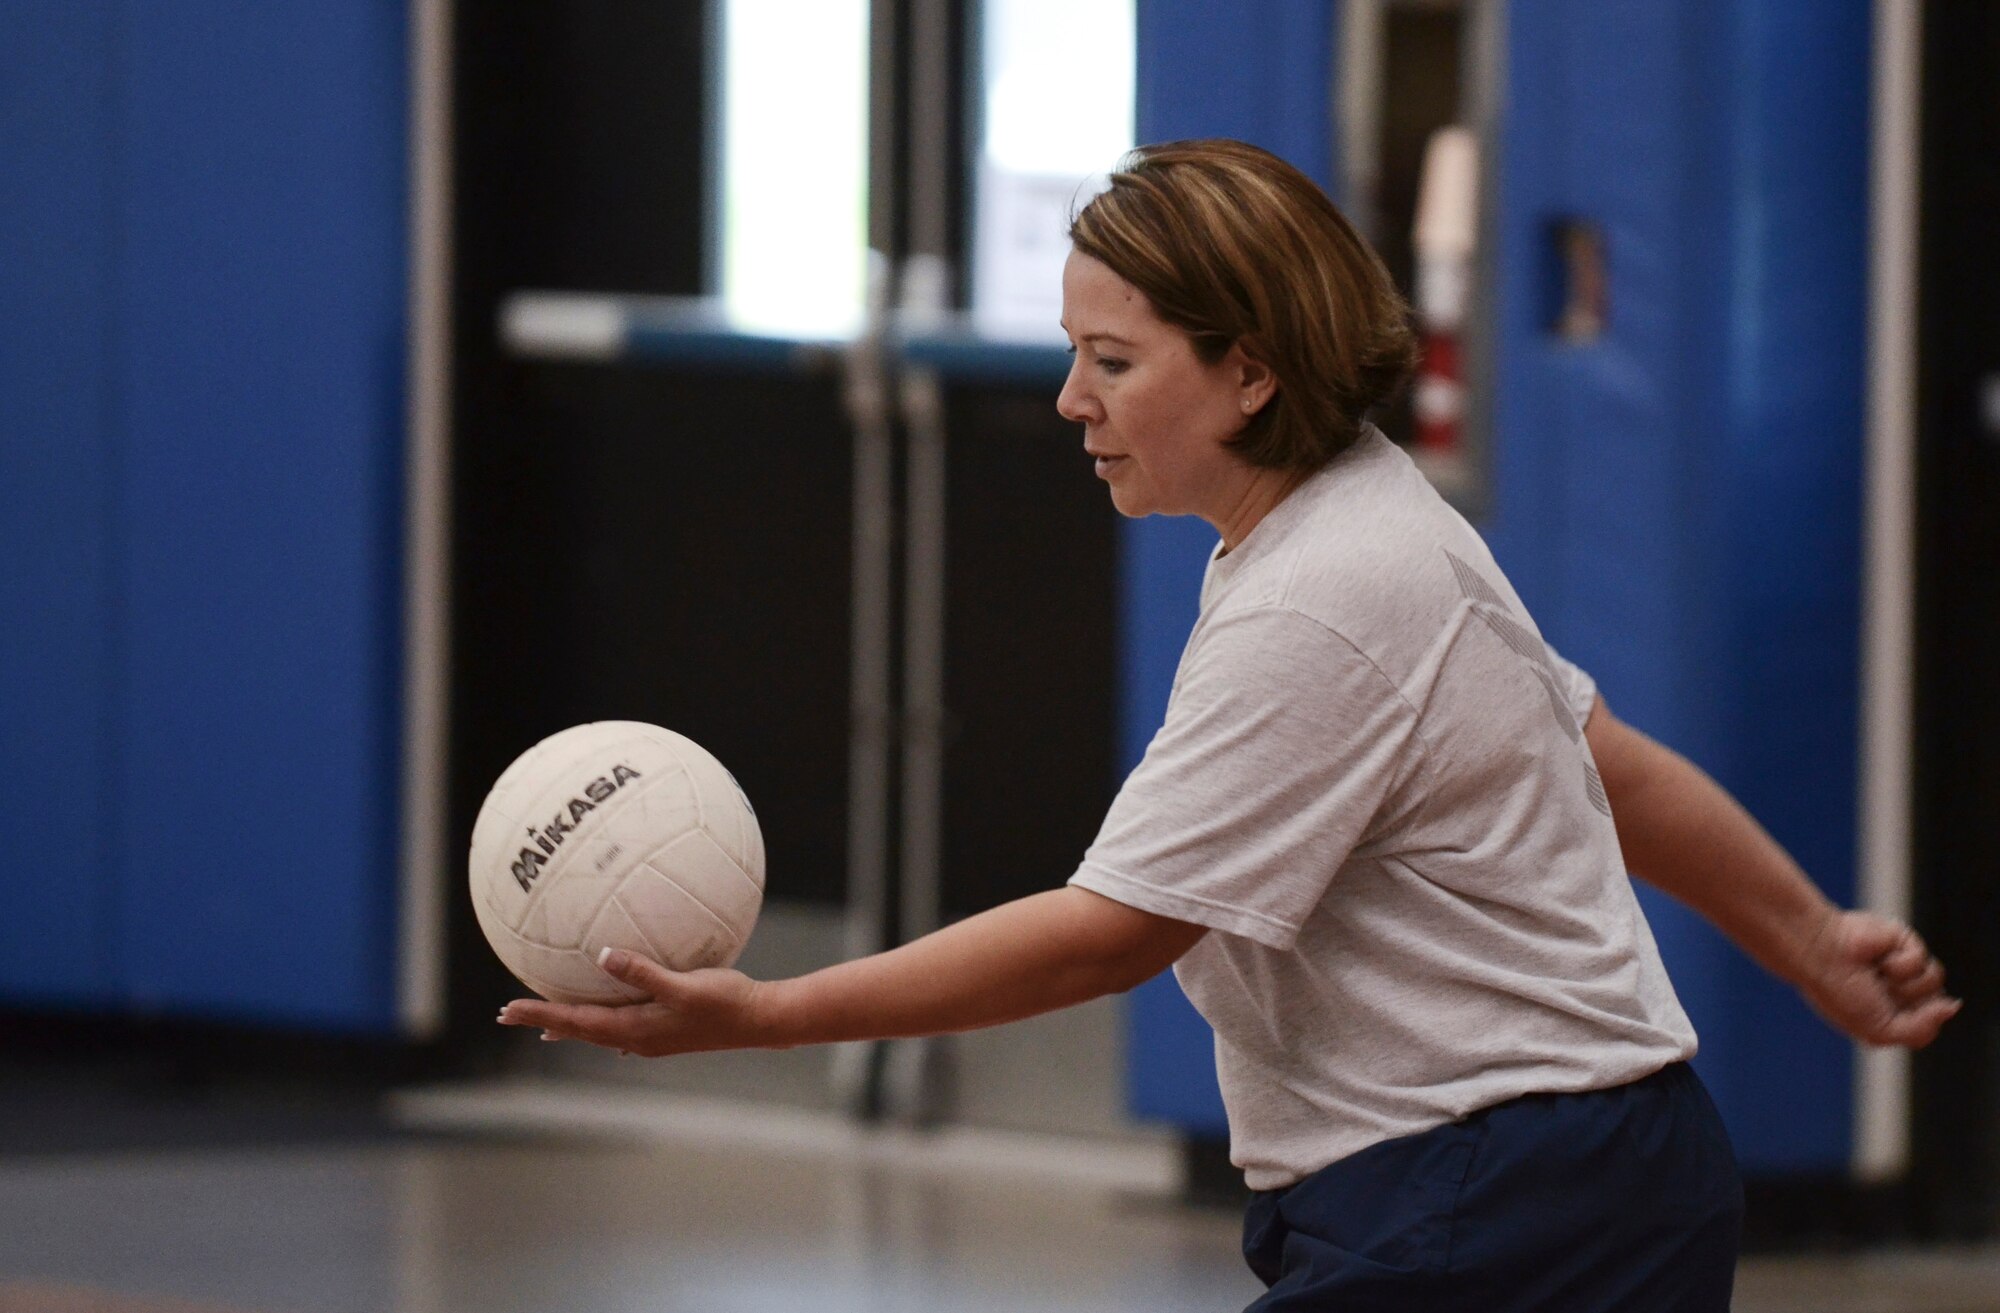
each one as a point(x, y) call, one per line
point(1375, 834)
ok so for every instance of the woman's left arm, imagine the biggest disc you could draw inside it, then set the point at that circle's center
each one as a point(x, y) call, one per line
point(1681, 832)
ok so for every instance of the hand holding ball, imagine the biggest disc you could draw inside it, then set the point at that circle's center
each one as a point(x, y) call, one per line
point(615, 834)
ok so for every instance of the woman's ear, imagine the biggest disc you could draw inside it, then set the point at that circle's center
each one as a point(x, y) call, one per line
point(1256, 384)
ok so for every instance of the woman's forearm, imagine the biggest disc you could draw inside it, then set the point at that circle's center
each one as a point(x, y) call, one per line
point(1684, 834)
point(1034, 955)
point(1030, 956)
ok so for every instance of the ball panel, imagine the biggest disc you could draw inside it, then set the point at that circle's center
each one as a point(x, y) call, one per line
point(615, 928)
point(564, 975)
point(753, 850)
point(590, 836)
point(528, 787)
point(670, 925)
point(726, 813)
point(696, 864)
point(559, 913)
point(549, 772)
point(688, 938)
point(491, 830)
point(491, 922)
point(664, 806)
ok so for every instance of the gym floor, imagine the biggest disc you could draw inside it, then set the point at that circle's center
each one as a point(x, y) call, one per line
point(458, 1200)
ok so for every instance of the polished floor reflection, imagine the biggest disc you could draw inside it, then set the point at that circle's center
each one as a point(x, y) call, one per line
point(594, 1226)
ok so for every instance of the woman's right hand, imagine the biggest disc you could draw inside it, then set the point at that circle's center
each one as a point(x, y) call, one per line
point(686, 1011)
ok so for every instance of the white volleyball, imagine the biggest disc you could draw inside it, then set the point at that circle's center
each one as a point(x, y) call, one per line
point(614, 834)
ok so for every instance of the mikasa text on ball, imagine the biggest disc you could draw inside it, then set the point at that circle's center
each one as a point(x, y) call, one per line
point(614, 834)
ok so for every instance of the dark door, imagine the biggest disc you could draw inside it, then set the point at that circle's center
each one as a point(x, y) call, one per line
point(673, 543)
point(629, 542)
point(1956, 814)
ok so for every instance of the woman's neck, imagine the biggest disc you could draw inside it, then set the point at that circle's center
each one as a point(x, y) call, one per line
point(1258, 496)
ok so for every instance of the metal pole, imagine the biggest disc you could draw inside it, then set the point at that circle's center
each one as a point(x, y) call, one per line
point(1357, 103)
point(917, 1083)
point(870, 707)
point(1483, 101)
point(420, 987)
point(1882, 1076)
point(918, 1073)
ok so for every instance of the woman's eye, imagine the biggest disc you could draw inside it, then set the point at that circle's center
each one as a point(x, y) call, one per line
point(1111, 364)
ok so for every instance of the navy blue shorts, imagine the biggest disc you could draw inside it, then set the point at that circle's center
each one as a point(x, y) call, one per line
point(1624, 1199)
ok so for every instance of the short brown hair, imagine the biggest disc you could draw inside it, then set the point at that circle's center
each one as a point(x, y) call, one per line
point(1235, 246)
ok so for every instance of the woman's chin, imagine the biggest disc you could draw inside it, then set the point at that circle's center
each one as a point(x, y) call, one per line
point(1131, 505)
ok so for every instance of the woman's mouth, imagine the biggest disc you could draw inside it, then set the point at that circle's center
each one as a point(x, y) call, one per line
point(1106, 463)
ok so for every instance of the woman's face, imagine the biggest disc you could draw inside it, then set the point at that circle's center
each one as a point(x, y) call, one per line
point(1154, 415)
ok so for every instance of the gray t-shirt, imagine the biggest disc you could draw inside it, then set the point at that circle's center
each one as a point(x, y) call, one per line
point(1372, 786)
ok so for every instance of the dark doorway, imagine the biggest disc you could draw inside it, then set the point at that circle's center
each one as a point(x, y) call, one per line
point(629, 542)
point(1956, 813)
point(674, 544)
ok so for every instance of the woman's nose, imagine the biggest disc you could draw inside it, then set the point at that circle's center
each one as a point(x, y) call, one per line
point(1070, 402)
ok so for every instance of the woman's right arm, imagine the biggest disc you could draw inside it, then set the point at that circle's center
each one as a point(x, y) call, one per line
point(1030, 956)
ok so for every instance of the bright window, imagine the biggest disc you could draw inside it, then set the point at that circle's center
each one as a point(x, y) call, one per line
point(794, 212)
point(1057, 113)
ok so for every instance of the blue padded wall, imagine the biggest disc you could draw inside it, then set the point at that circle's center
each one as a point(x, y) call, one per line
point(212, 448)
point(56, 479)
point(1678, 501)
point(264, 159)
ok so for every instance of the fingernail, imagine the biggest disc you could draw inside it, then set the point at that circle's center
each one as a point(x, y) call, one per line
point(611, 959)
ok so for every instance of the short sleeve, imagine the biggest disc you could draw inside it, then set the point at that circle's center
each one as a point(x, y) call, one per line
point(1578, 688)
point(1280, 743)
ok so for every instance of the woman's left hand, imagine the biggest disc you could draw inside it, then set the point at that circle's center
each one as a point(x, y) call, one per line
point(1873, 978)
point(687, 1011)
